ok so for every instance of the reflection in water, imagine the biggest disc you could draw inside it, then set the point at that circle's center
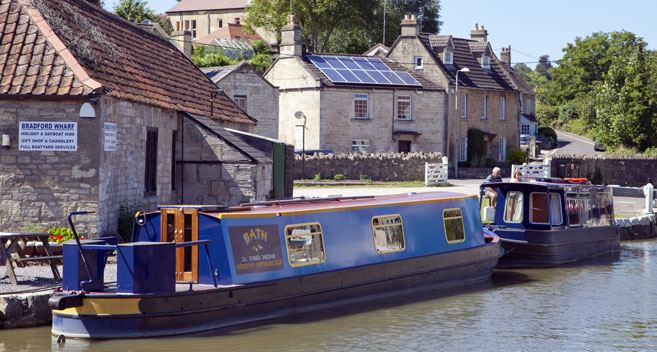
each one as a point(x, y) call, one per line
point(591, 307)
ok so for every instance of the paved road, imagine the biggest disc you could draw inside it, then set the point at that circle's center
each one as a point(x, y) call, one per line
point(573, 144)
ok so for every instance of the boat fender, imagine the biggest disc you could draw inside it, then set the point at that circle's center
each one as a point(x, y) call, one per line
point(63, 302)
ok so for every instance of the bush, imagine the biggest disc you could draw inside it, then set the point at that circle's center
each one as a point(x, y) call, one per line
point(260, 62)
point(338, 177)
point(548, 132)
point(317, 177)
point(490, 162)
point(260, 46)
point(475, 144)
point(516, 156)
point(61, 234)
point(126, 222)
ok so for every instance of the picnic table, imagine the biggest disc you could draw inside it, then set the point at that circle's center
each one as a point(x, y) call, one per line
point(15, 242)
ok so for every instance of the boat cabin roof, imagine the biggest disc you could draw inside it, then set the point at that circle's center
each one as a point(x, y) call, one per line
point(544, 184)
point(296, 206)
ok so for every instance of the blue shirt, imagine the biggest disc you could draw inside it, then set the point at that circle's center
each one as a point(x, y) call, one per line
point(490, 178)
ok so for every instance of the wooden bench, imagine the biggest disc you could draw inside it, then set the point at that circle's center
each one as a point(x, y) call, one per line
point(15, 242)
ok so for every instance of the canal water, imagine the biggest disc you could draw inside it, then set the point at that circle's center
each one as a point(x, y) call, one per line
point(600, 306)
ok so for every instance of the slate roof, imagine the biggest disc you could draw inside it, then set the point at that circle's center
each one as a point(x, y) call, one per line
point(69, 47)
point(231, 139)
point(520, 83)
point(200, 5)
point(478, 77)
point(326, 82)
point(439, 40)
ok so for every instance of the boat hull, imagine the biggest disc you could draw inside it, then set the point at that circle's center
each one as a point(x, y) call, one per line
point(559, 247)
point(104, 316)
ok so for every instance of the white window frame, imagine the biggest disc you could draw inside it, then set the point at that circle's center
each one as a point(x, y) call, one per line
point(193, 29)
point(418, 62)
point(485, 61)
point(483, 107)
point(409, 99)
point(463, 149)
point(524, 128)
point(238, 97)
point(464, 106)
point(360, 144)
point(448, 56)
point(220, 23)
point(502, 150)
point(503, 108)
point(362, 97)
point(506, 207)
point(529, 107)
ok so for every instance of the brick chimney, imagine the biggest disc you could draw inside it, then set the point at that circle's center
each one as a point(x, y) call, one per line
point(183, 40)
point(409, 26)
point(291, 38)
point(505, 55)
point(479, 34)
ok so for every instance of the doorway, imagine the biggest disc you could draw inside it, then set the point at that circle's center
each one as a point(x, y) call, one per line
point(404, 147)
point(181, 225)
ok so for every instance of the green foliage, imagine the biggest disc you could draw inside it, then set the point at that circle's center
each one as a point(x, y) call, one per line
point(60, 234)
point(126, 222)
point(490, 162)
point(338, 177)
point(260, 46)
point(210, 60)
point(516, 156)
point(317, 177)
point(260, 62)
point(342, 25)
point(596, 177)
point(548, 132)
point(134, 10)
point(475, 144)
point(627, 105)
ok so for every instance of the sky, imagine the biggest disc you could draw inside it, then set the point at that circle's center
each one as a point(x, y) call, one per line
point(532, 28)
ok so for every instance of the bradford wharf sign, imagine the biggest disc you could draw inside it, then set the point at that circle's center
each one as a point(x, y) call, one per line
point(48, 136)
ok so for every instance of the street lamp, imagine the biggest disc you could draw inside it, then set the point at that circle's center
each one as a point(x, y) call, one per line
point(300, 115)
point(456, 144)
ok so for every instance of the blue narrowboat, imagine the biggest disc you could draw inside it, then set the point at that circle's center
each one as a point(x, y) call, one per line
point(195, 268)
point(550, 222)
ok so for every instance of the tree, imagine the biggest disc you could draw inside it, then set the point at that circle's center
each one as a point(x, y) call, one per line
point(627, 104)
point(134, 10)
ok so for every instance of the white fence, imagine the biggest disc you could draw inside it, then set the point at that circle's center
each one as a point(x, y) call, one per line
point(533, 169)
point(435, 174)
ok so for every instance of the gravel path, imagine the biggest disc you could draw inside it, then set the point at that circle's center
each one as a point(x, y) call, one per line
point(39, 277)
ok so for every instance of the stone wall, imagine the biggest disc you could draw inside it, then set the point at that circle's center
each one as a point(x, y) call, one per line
point(377, 167)
point(633, 171)
point(213, 172)
point(261, 98)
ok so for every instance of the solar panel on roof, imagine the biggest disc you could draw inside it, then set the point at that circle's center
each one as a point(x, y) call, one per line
point(360, 70)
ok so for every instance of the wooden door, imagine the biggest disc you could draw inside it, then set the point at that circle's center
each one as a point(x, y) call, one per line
point(181, 225)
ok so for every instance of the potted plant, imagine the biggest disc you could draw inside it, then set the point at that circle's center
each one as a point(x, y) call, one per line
point(57, 236)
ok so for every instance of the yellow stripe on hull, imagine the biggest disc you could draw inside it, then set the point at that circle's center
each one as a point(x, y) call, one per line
point(104, 306)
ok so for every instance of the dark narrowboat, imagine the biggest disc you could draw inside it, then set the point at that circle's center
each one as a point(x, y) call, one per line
point(195, 268)
point(550, 222)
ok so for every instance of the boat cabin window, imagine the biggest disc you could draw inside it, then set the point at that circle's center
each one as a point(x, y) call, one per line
point(388, 233)
point(305, 244)
point(539, 208)
point(513, 207)
point(453, 221)
point(572, 207)
point(586, 210)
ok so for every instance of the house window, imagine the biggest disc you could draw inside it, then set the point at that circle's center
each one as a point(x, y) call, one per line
point(448, 57)
point(305, 244)
point(237, 20)
point(513, 207)
point(524, 129)
point(360, 146)
point(177, 25)
point(502, 108)
point(194, 29)
point(502, 150)
point(186, 25)
point(418, 62)
point(463, 149)
point(453, 222)
point(528, 106)
point(485, 62)
point(483, 107)
point(404, 107)
point(173, 160)
point(150, 169)
point(220, 23)
point(464, 105)
point(360, 106)
point(388, 234)
point(240, 100)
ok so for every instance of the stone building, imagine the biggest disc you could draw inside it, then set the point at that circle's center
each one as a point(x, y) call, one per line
point(251, 92)
point(490, 94)
point(344, 113)
point(203, 17)
point(102, 116)
point(527, 97)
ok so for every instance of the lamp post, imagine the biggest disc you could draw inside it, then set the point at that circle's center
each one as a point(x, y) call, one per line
point(456, 118)
point(300, 115)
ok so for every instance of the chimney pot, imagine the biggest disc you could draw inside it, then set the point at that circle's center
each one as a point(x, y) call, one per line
point(413, 17)
point(290, 19)
point(406, 17)
point(477, 26)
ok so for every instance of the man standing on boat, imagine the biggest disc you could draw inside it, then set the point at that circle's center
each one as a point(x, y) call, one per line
point(490, 192)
